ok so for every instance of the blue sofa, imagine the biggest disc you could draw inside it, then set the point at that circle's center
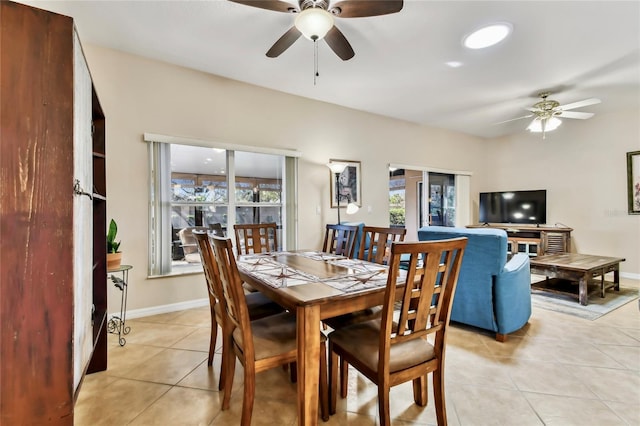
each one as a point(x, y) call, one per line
point(492, 293)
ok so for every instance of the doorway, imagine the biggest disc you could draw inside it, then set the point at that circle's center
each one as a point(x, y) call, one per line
point(411, 206)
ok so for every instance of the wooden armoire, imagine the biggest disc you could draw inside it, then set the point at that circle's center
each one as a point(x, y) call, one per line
point(53, 278)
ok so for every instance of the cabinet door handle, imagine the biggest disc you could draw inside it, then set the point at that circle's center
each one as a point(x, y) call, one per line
point(77, 189)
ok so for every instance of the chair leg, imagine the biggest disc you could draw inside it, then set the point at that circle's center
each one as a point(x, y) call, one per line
point(324, 390)
point(383, 404)
point(227, 352)
point(438, 396)
point(420, 395)
point(501, 337)
point(344, 378)
point(229, 369)
point(333, 379)
point(249, 393)
point(213, 338)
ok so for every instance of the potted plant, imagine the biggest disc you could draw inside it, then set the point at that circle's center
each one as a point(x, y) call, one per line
point(114, 257)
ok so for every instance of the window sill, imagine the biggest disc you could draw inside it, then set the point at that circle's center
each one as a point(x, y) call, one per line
point(180, 271)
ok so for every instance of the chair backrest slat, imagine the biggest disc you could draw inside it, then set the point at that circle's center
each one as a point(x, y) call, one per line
point(340, 239)
point(209, 266)
point(427, 295)
point(235, 302)
point(376, 241)
point(256, 238)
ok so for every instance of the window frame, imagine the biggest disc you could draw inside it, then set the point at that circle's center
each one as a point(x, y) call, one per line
point(160, 263)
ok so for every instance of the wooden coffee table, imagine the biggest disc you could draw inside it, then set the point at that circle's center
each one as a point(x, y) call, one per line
point(581, 268)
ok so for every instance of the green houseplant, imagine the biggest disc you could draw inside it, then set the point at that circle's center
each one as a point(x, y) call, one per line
point(114, 256)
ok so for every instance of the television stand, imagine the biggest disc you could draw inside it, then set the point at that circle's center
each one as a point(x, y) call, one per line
point(534, 240)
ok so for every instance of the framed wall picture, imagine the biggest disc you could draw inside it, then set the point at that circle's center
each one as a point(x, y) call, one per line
point(345, 184)
point(633, 181)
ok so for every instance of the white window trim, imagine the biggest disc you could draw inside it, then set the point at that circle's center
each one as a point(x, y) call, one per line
point(154, 137)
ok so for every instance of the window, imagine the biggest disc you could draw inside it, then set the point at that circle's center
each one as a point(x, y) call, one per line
point(190, 190)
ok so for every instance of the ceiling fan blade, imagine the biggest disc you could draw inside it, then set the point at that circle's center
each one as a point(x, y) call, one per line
point(277, 5)
point(579, 104)
point(514, 119)
point(284, 42)
point(339, 44)
point(575, 114)
point(362, 8)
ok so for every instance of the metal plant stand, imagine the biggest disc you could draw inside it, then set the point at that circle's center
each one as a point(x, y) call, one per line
point(117, 324)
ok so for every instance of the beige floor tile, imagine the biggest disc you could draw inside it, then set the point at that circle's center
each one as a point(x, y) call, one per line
point(626, 316)
point(353, 419)
point(476, 369)
point(565, 411)
point(181, 406)
point(560, 351)
point(479, 406)
point(628, 411)
point(628, 356)
point(199, 341)
point(633, 333)
point(169, 366)
point(549, 378)
point(158, 334)
point(124, 358)
point(204, 376)
point(199, 317)
point(265, 413)
point(118, 403)
point(166, 318)
point(610, 384)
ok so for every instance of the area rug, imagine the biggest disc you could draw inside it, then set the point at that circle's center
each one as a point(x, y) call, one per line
point(596, 308)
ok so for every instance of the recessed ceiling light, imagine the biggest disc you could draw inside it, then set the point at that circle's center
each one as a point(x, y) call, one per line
point(487, 36)
point(454, 64)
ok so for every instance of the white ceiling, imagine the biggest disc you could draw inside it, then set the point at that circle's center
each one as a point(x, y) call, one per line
point(576, 49)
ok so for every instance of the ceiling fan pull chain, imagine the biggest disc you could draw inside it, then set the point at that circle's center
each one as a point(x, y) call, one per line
point(315, 61)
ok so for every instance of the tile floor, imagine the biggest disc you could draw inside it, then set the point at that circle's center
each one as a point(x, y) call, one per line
point(557, 370)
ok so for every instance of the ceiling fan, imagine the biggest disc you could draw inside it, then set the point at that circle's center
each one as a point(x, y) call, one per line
point(547, 113)
point(315, 20)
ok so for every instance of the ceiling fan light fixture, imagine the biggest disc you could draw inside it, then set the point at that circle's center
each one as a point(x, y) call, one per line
point(551, 124)
point(314, 23)
point(487, 36)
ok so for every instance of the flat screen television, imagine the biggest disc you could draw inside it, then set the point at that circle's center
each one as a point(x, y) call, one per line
point(514, 207)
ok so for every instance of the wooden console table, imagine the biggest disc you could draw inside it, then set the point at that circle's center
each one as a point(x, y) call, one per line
point(535, 240)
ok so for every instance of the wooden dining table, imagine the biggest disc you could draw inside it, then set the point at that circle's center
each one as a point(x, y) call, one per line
point(314, 285)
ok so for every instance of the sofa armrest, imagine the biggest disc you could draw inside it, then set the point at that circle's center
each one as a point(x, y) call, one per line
point(512, 294)
point(517, 263)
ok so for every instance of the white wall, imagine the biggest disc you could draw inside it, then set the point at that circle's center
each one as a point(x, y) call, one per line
point(582, 165)
point(140, 95)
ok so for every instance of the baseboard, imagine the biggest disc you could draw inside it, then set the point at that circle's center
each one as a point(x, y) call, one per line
point(630, 275)
point(163, 309)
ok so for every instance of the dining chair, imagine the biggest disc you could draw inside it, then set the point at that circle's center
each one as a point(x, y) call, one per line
point(259, 345)
point(258, 305)
point(216, 229)
point(340, 239)
point(409, 343)
point(188, 243)
point(256, 237)
point(376, 242)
